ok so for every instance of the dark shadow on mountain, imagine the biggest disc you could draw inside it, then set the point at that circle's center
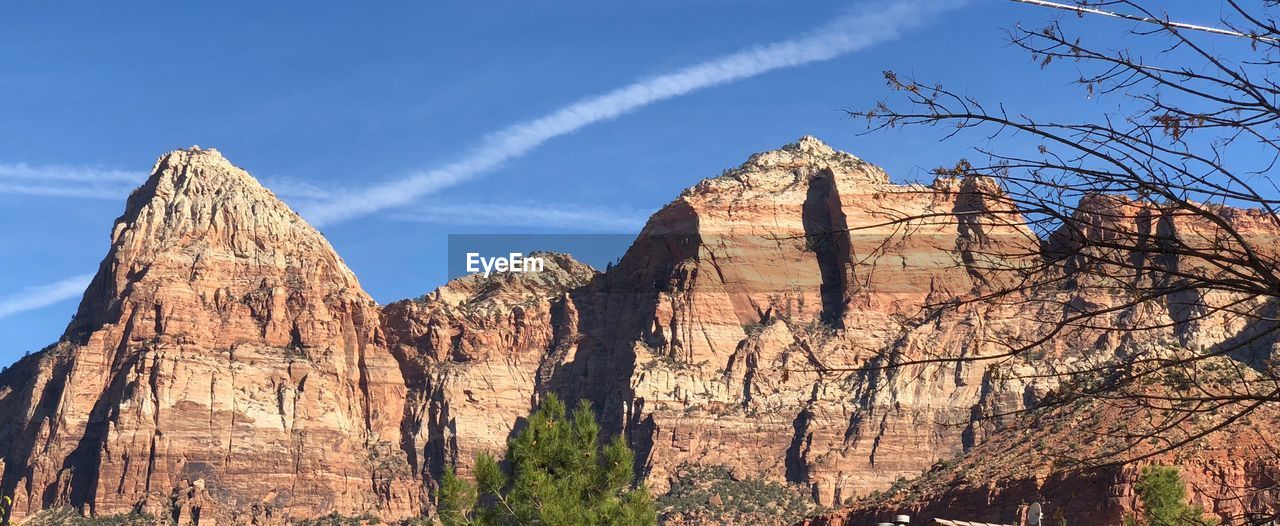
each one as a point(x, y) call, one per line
point(616, 311)
point(801, 437)
point(827, 236)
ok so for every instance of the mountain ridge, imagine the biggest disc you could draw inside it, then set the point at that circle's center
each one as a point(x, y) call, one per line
point(225, 365)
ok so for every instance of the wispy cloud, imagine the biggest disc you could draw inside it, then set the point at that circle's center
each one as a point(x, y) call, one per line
point(68, 173)
point(293, 187)
point(88, 182)
point(85, 182)
point(532, 215)
point(80, 191)
point(870, 24)
point(39, 296)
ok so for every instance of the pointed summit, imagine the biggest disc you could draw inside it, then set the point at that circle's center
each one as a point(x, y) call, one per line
point(196, 172)
point(208, 161)
point(811, 145)
point(805, 157)
point(812, 154)
point(201, 240)
point(806, 148)
point(221, 334)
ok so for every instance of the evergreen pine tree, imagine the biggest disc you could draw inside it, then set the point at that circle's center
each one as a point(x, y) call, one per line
point(559, 475)
point(1163, 496)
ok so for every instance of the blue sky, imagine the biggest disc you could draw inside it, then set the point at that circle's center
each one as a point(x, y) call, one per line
point(336, 98)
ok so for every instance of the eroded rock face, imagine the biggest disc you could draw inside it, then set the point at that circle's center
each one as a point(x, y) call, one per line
point(478, 354)
point(225, 361)
point(742, 291)
point(705, 343)
point(744, 329)
point(222, 343)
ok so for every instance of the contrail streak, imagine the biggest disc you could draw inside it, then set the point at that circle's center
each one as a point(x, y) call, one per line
point(76, 190)
point(867, 26)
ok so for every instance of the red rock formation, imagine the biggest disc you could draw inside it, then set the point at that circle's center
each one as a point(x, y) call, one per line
point(703, 343)
point(736, 294)
point(225, 359)
point(222, 343)
point(478, 352)
point(1231, 474)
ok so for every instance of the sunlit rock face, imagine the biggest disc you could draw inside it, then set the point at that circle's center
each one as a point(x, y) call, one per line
point(222, 342)
point(478, 353)
point(226, 367)
point(706, 342)
point(739, 297)
point(750, 321)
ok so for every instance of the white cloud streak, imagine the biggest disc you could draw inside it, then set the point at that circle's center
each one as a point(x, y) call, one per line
point(21, 171)
point(299, 188)
point(870, 24)
point(533, 215)
point(80, 191)
point(40, 296)
point(84, 182)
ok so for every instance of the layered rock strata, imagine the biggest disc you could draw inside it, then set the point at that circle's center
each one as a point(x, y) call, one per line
point(221, 343)
point(226, 362)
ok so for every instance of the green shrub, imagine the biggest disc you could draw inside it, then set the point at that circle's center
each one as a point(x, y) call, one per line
point(338, 519)
point(558, 475)
point(69, 517)
point(1163, 496)
point(712, 495)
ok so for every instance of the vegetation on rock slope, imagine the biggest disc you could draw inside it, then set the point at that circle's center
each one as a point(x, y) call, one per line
point(558, 474)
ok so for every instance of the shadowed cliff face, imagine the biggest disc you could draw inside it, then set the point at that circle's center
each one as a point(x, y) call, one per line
point(827, 235)
point(225, 363)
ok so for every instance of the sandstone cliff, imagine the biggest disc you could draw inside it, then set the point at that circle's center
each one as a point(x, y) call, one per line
point(224, 356)
point(478, 353)
point(223, 344)
point(752, 323)
point(711, 341)
point(746, 291)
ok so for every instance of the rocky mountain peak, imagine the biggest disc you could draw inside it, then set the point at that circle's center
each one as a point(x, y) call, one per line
point(797, 162)
point(221, 334)
point(812, 145)
point(561, 273)
point(202, 235)
point(808, 151)
point(183, 177)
